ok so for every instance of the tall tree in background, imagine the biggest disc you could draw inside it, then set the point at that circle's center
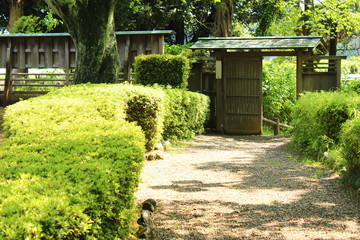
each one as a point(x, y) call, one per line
point(224, 11)
point(190, 19)
point(269, 11)
point(16, 10)
point(91, 26)
point(305, 28)
point(335, 19)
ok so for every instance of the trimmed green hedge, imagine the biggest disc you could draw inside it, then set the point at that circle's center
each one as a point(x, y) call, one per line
point(186, 114)
point(318, 117)
point(75, 184)
point(329, 122)
point(163, 69)
point(143, 105)
point(71, 162)
point(350, 139)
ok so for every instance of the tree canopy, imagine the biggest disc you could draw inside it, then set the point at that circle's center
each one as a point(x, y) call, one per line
point(92, 23)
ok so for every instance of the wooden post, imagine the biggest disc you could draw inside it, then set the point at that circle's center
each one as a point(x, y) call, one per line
point(67, 61)
point(338, 73)
point(127, 64)
point(7, 86)
point(299, 80)
point(276, 127)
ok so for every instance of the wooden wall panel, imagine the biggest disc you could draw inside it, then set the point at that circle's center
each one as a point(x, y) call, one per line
point(242, 95)
point(58, 51)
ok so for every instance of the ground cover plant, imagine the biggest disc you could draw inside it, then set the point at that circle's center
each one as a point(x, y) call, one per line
point(71, 163)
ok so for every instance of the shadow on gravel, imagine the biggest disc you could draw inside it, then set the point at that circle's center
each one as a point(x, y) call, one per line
point(263, 221)
point(324, 207)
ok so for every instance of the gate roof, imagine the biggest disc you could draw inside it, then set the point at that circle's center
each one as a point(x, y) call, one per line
point(304, 43)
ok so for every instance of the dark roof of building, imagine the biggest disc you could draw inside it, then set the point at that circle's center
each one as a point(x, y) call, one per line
point(260, 43)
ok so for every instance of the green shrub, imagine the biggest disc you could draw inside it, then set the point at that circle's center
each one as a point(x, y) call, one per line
point(351, 66)
point(70, 166)
point(318, 117)
point(350, 139)
point(34, 24)
point(183, 50)
point(186, 114)
point(351, 86)
point(279, 89)
point(143, 105)
point(176, 49)
point(163, 69)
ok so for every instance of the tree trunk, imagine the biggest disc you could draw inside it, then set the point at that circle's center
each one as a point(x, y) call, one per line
point(16, 10)
point(223, 18)
point(271, 9)
point(333, 47)
point(333, 40)
point(91, 25)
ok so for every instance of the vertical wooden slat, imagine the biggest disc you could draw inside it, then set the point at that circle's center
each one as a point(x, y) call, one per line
point(21, 54)
point(299, 76)
point(72, 53)
point(127, 52)
point(47, 45)
point(7, 85)
point(120, 39)
point(34, 44)
point(161, 44)
point(338, 73)
point(67, 60)
point(62, 53)
point(14, 43)
point(3, 47)
point(242, 80)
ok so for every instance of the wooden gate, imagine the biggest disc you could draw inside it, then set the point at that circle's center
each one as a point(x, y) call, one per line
point(239, 101)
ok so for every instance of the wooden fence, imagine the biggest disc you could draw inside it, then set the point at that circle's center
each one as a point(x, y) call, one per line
point(276, 125)
point(318, 73)
point(24, 52)
point(15, 86)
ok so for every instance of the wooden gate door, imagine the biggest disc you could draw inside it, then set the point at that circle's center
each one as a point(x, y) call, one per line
point(242, 95)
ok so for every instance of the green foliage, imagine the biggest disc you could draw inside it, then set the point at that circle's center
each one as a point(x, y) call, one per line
point(332, 16)
point(351, 66)
point(279, 89)
point(351, 150)
point(183, 50)
point(70, 166)
point(185, 115)
point(350, 86)
point(327, 127)
point(145, 106)
point(176, 49)
point(34, 24)
point(318, 117)
point(28, 24)
point(162, 69)
point(286, 21)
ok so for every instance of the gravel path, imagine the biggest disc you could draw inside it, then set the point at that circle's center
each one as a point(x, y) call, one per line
point(246, 187)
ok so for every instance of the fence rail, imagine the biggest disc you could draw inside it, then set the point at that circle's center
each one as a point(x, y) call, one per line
point(276, 124)
point(23, 84)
